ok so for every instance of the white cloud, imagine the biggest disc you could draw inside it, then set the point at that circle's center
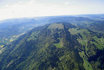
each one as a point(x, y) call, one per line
point(29, 9)
point(33, 8)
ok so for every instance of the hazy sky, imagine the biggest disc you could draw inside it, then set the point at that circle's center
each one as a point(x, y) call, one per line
point(32, 8)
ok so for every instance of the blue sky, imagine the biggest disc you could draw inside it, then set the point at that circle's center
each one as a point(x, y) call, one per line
point(33, 8)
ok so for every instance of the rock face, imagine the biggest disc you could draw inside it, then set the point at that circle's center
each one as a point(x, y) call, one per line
point(57, 46)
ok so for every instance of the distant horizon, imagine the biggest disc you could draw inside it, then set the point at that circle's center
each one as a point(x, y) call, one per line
point(48, 16)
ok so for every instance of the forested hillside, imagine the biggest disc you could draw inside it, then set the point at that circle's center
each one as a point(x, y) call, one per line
point(55, 46)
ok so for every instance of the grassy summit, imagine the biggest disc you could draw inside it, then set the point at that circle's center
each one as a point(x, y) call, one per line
point(56, 26)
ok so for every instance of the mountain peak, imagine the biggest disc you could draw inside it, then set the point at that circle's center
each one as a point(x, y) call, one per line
point(56, 26)
point(60, 25)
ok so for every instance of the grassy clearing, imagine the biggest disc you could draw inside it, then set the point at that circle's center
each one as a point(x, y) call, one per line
point(83, 40)
point(74, 31)
point(60, 44)
point(1, 46)
point(99, 42)
point(86, 64)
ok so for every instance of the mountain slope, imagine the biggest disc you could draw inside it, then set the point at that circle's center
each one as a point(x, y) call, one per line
point(13, 28)
point(57, 46)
